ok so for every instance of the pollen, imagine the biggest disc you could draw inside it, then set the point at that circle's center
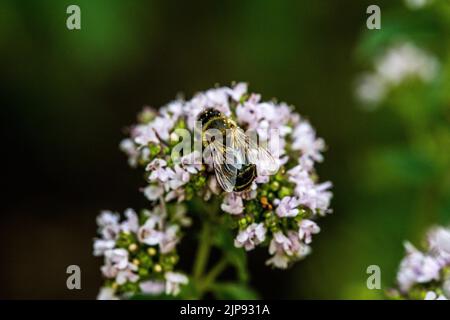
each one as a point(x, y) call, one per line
point(265, 203)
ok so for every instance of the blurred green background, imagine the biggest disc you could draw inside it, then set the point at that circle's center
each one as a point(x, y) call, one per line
point(68, 95)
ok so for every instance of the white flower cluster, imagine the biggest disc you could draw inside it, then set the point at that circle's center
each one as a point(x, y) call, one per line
point(277, 210)
point(139, 258)
point(426, 274)
point(400, 62)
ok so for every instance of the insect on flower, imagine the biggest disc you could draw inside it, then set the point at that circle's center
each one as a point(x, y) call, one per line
point(237, 159)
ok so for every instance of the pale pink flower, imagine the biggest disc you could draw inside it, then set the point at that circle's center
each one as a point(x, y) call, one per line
point(131, 224)
point(169, 239)
point(306, 141)
point(237, 91)
point(431, 295)
point(127, 274)
point(177, 177)
point(173, 282)
point(416, 267)
point(117, 258)
point(153, 192)
point(250, 237)
point(107, 293)
point(148, 233)
point(130, 149)
point(101, 245)
point(439, 244)
point(157, 170)
point(192, 162)
point(306, 229)
point(155, 287)
point(287, 207)
point(232, 203)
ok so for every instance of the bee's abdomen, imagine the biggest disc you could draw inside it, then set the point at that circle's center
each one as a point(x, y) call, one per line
point(207, 115)
point(245, 177)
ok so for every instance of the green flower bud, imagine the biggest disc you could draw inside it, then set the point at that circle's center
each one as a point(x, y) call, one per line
point(157, 268)
point(155, 149)
point(275, 185)
point(200, 183)
point(284, 192)
point(143, 272)
point(243, 223)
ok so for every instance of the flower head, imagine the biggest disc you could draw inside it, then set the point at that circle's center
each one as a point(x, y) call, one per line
point(420, 271)
point(277, 206)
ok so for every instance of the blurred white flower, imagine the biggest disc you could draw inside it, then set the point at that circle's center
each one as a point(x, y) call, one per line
point(101, 245)
point(131, 224)
point(127, 274)
point(117, 258)
point(153, 192)
point(249, 114)
point(173, 281)
point(169, 239)
point(148, 234)
point(129, 148)
point(154, 131)
point(155, 287)
point(107, 293)
point(108, 224)
point(439, 244)
point(279, 260)
point(406, 60)
point(431, 295)
point(401, 61)
point(416, 267)
point(371, 89)
point(417, 4)
point(306, 229)
point(446, 287)
point(237, 91)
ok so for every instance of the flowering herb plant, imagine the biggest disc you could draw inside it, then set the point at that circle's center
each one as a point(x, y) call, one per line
point(276, 210)
point(426, 274)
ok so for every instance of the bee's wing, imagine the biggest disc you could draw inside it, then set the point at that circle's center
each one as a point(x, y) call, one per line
point(226, 170)
point(259, 155)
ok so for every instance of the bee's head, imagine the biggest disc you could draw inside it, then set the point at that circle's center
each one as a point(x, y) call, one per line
point(208, 114)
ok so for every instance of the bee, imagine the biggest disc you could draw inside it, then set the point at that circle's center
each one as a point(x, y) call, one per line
point(237, 160)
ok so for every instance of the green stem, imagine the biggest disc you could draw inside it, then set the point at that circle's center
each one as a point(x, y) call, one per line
point(203, 250)
point(215, 271)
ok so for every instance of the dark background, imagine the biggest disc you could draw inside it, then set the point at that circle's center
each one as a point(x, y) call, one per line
point(66, 97)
